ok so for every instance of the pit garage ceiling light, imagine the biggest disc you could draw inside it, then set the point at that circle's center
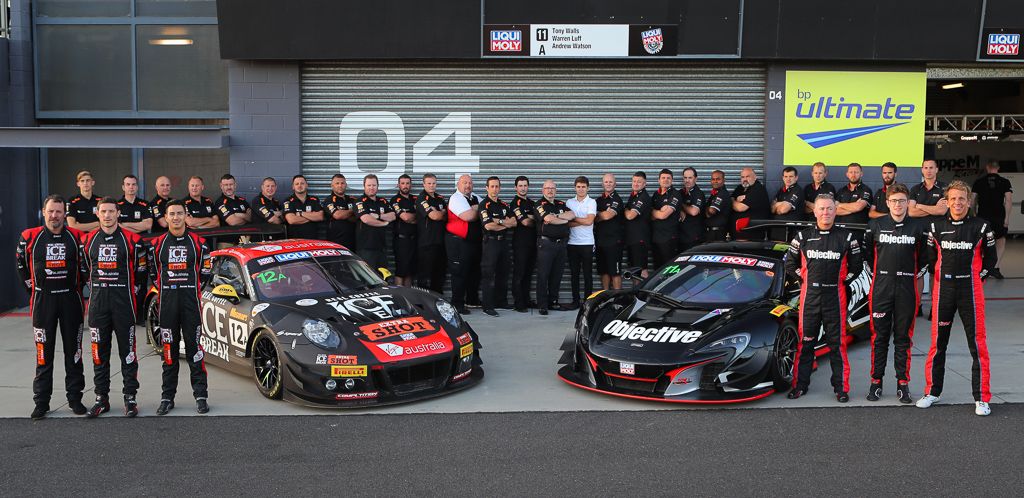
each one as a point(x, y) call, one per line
point(171, 42)
point(951, 86)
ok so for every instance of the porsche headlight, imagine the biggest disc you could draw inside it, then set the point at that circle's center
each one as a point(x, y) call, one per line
point(320, 333)
point(736, 342)
point(448, 312)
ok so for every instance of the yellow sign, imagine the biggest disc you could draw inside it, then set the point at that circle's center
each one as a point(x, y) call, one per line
point(842, 117)
point(780, 309)
point(348, 370)
point(466, 350)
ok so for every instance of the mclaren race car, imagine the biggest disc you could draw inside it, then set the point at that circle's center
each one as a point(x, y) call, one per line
point(313, 323)
point(716, 325)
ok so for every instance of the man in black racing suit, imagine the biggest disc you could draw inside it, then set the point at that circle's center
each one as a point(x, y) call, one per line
point(963, 254)
point(117, 264)
point(824, 259)
point(894, 249)
point(180, 266)
point(50, 264)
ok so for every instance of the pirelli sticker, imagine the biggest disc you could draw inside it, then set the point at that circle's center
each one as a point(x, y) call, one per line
point(348, 370)
point(466, 350)
point(780, 309)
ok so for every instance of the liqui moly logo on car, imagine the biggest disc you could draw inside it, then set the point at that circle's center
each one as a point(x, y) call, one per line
point(633, 332)
point(1003, 44)
point(506, 40)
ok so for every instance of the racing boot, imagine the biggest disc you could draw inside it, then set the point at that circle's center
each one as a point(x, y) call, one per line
point(166, 405)
point(903, 393)
point(77, 407)
point(131, 407)
point(796, 393)
point(843, 397)
point(40, 411)
point(875, 391)
point(102, 405)
point(202, 406)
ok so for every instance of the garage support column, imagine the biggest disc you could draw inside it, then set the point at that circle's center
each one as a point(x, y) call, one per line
point(263, 102)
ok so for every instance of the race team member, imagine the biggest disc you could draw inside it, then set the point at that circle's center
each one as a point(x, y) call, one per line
point(375, 216)
point(823, 258)
point(159, 203)
point(232, 210)
point(463, 211)
point(962, 253)
point(554, 217)
point(691, 211)
point(431, 214)
point(82, 207)
point(609, 233)
point(496, 218)
point(117, 264)
point(135, 213)
point(854, 200)
point(994, 196)
point(524, 245)
point(638, 222)
point(404, 238)
point(199, 210)
point(664, 220)
point(51, 267)
point(266, 209)
point(302, 212)
point(180, 266)
point(788, 203)
point(894, 249)
point(339, 208)
point(718, 210)
point(880, 209)
point(928, 204)
point(749, 202)
point(819, 185)
point(580, 250)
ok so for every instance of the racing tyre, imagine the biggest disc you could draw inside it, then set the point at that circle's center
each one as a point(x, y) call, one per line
point(266, 362)
point(783, 356)
point(152, 318)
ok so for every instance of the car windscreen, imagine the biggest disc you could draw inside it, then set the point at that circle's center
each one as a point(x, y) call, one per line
point(309, 278)
point(703, 283)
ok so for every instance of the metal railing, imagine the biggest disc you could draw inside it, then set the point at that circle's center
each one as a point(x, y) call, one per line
point(974, 123)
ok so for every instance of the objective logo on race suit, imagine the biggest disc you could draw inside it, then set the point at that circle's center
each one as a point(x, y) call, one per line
point(506, 40)
point(831, 116)
point(1003, 44)
point(653, 40)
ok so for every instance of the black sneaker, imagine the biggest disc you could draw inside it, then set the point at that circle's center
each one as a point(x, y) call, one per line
point(903, 393)
point(490, 311)
point(131, 407)
point(522, 310)
point(102, 405)
point(202, 406)
point(166, 405)
point(796, 393)
point(996, 274)
point(875, 391)
point(39, 412)
point(843, 397)
point(77, 407)
point(543, 311)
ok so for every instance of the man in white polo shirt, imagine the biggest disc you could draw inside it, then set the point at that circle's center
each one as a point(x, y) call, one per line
point(463, 218)
point(581, 240)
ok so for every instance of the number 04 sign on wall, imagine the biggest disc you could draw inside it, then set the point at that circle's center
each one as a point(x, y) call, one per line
point(425, 158)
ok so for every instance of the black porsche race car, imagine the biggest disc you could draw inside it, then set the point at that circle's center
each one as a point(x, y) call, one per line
point(313, 323)
point(716, 325)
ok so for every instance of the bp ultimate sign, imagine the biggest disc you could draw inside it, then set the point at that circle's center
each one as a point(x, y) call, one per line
point(839, 117)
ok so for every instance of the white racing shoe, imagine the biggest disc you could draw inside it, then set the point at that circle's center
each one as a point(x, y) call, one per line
point(981, 408)
point(927, 401)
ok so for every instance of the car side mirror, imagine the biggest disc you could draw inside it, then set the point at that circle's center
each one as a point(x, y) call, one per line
point(635, 274)
point(226, 291)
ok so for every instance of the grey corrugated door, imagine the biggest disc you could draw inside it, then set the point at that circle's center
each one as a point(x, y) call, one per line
point(545, 120)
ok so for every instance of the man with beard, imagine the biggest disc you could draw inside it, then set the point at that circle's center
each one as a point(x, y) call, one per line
point(375, 217)
point(749, 202)
point(403, 240)
point(51, 265)
point(463, 213)
point(719, 208)
point(524, 245)
point(431, 214)
point(854, 200)
point(788, 204)
point(609, 233)
point(302, 211)
point(880, 207)
point(691, 212)
point(339, 208)
point(664, 220)
point(496, 218)
point(232, 209)
point(819, 185)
